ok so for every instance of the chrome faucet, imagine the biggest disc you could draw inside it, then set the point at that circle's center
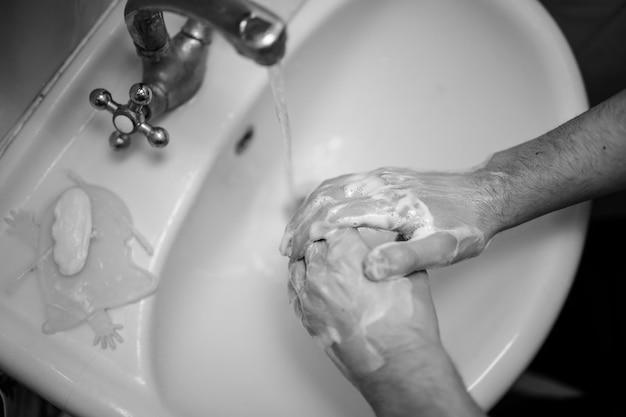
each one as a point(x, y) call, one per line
point(173, 68)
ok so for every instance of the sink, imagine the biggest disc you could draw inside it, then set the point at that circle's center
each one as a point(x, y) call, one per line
point(434, 84)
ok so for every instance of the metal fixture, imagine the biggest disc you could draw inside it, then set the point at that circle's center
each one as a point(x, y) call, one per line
point(131, 117)
point(173, 68)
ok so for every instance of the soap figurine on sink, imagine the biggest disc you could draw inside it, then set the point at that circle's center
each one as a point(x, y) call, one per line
point(83, 259)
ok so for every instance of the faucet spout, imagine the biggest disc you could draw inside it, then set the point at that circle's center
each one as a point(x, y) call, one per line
point(254, 31)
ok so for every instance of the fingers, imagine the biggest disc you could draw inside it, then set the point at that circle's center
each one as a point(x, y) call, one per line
point(315, 258)
point(294, 300)
point(337, 203)
point(353, 213)
point(424, 311)
point(302, 230)
point(346, 246)
point(402, 258)
point(295, 286)
point(297, 273)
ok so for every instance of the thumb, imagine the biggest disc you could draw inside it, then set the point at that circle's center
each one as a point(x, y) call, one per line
point(402, 258)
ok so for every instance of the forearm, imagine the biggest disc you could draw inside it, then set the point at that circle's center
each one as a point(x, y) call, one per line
point(580, 160)
point(424, 384)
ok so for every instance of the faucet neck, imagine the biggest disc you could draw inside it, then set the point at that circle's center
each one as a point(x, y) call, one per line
point(254, 31)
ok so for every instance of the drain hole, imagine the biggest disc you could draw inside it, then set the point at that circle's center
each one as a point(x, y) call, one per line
point(244, 142)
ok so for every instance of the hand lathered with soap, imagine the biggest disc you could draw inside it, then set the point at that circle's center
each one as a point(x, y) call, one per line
point(371, 308)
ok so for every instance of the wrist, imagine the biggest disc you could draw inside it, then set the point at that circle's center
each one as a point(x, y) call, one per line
point(418, 380)
point(492, 190)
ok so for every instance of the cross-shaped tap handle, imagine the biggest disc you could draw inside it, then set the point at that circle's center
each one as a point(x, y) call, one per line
point(129, 118)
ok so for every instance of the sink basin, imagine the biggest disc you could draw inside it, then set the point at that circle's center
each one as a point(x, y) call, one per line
point(435, 84)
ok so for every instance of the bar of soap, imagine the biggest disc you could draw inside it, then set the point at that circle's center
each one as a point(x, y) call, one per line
point(71, 231)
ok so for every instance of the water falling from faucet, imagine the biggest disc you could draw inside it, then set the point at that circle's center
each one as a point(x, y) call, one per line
point(277, 85)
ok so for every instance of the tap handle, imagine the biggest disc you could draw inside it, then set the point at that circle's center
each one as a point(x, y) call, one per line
point(131, 117)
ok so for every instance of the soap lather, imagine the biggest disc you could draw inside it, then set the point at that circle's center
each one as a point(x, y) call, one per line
point(173, 68)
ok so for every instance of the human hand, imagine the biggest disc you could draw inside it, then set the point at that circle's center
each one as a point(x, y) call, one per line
point(383, 336)
point(359, 323)
point(443, 217)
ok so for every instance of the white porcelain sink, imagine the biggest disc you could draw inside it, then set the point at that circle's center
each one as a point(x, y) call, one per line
point(432, 84)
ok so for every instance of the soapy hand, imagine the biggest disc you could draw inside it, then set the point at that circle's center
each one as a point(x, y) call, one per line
point(441, 218)
point(359, 323)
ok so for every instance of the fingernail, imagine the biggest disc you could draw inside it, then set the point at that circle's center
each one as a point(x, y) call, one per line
point(376, 266)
